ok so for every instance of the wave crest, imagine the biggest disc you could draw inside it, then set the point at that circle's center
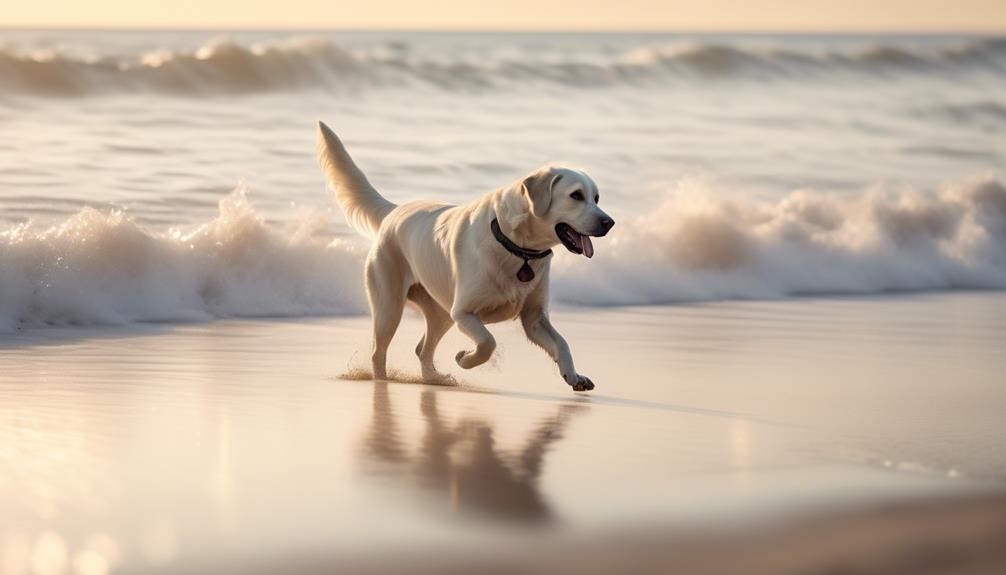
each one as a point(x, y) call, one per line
point(103, 268)
point(225, 66)
point(697, 247)
point(220, 66)
point(98, 268)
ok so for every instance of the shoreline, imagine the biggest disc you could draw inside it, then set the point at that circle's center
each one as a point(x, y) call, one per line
point(47, 333)
point(739, 431)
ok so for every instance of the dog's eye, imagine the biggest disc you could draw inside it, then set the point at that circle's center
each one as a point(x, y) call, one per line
point(597, 199)
point(577, 195)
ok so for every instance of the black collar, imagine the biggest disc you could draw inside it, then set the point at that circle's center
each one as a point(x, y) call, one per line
point(514, 248)
point(525, 273)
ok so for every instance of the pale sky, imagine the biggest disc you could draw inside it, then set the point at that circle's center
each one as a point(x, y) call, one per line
point(685, 15)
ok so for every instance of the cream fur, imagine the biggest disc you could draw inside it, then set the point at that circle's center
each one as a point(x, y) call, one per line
point(444, 259)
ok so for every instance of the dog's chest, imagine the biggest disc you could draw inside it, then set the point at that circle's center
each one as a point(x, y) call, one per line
point(508, 296)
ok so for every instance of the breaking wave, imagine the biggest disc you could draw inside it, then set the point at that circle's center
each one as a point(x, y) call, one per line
point(698, 247)
point(225, 66)
point(99, 268)
point(103, 268)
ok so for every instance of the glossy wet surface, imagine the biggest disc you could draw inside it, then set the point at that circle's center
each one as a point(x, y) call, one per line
point(172, 445)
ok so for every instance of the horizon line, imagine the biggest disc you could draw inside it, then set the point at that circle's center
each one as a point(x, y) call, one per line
point(522, 30)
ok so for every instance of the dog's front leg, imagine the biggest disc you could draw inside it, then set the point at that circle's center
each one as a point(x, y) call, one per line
point(540, 331)
point(472, 326)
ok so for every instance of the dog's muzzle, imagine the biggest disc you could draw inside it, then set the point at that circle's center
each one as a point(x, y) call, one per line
point(580, 243)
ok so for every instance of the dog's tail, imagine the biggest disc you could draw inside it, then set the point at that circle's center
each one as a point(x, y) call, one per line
point(363, 206)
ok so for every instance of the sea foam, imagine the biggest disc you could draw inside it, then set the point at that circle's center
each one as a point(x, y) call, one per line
point(101, 268)
point(698, 246)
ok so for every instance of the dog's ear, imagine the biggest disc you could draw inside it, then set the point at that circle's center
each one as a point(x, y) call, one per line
point(538, 189)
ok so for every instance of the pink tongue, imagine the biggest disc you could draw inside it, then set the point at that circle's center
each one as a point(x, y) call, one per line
point(588, 248)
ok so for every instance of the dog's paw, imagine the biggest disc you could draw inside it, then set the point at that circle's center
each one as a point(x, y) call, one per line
point(464, 359)
point(581, 383)
point(470, 359)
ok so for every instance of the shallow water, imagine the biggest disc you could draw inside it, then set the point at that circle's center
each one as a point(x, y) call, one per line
point(738, 166)
point(237, 442)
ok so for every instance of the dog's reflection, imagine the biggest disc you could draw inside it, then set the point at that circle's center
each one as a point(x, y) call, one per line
point(462, 463)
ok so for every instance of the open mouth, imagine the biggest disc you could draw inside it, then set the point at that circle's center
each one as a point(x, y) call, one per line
point(573, 240)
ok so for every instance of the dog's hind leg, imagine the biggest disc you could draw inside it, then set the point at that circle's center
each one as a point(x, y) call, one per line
point(438, 321)
point(386, 291)
point(438, 324)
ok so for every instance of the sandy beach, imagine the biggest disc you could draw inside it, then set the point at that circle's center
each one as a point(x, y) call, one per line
point(724, 437)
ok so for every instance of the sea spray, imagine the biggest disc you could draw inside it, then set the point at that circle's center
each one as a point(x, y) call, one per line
point(99, 268)
point(699, 246)
point(103, 268)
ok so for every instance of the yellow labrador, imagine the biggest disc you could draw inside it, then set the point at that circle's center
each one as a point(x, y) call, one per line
point(483, 262)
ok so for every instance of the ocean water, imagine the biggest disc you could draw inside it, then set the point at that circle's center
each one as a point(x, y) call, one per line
point(167, 176)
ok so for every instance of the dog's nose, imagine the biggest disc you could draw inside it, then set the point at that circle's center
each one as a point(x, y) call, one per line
point(607, 223)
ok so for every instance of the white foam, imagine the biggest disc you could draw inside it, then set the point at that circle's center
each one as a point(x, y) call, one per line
point(698, 247)
point(104, 268)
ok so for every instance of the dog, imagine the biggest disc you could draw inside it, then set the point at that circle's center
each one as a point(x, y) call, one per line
point(483, 262)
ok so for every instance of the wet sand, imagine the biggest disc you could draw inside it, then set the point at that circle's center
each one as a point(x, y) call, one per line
point(803, 436)
point(948, 535)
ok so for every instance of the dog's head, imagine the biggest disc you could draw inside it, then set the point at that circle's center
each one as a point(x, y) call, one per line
point(563, 202)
